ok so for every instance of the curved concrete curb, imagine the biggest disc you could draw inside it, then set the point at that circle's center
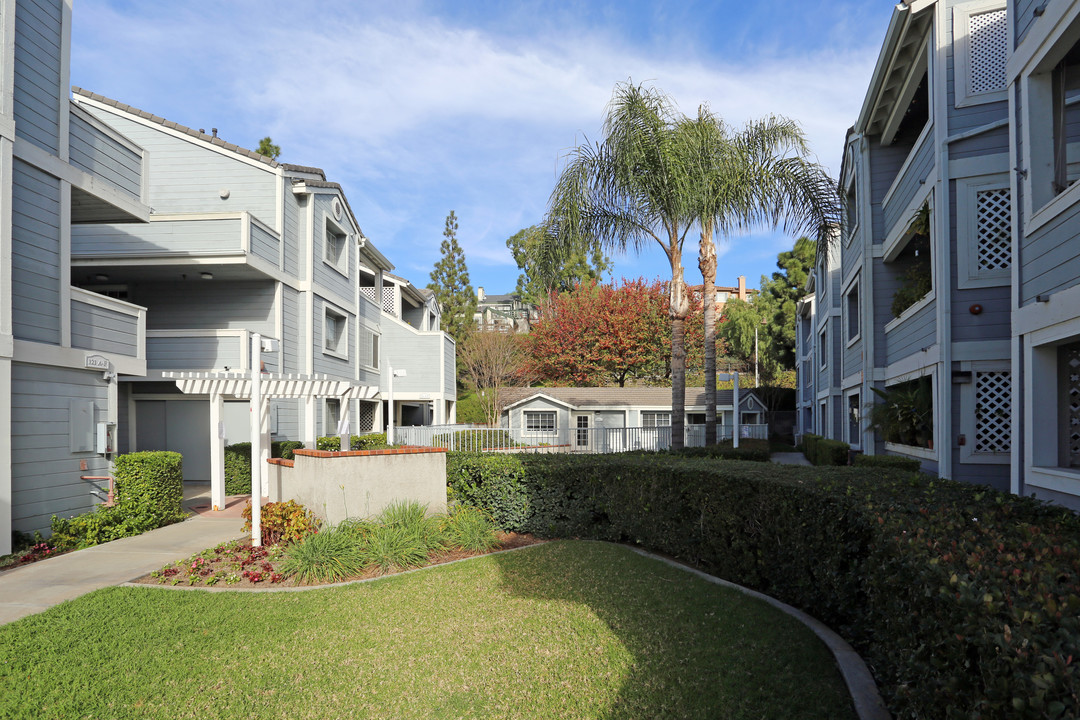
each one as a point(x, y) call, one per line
point(857, 677)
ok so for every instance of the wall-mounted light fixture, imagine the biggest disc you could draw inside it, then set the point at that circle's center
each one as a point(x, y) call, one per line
point(206, 275)
point(101, 277)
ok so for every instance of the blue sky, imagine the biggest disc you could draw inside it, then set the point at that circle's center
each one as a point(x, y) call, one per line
point(417, 108)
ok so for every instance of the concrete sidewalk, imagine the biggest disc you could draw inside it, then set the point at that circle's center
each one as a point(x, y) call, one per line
point(38, 586)
point(789, 458)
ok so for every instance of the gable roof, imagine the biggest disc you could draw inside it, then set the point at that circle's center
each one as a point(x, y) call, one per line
point(619, 397)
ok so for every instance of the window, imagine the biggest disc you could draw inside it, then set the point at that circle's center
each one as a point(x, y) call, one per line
point(850, 200)
point(331, 416)
point(375, 351)
point(336, 249)
point(851, 308)
point(823, 415)
point(1069, 405)
point(854, 413)
point(981, 49)
point(984, 231)
point(651, 418)
point(695, 419)
point(336, 333)
point(1065, 89)
point(369, 348)
point(540, 421)
point(823, 347)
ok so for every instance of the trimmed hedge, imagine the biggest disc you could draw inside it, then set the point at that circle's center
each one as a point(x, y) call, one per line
point(238, 463)
point(371, 441)
point(150, 484)
point(753, 450)
point(149, 494)
point(964, 601)
point(888, 461)
point(823, 451)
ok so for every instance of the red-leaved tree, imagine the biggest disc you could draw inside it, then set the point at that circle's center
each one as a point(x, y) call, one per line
point(606, 335)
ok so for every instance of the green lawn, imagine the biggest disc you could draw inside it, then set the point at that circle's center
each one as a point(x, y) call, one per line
point(562, 630)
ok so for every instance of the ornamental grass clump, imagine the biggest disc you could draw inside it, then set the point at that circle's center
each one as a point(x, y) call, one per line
point(469, 528)
point(331, 555)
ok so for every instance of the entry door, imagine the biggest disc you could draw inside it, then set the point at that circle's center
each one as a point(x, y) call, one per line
point(181, 426)
point(581, 439)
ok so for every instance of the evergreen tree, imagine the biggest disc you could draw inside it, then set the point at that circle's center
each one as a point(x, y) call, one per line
point(579, 262)
point(450, 283)
point(268, 148)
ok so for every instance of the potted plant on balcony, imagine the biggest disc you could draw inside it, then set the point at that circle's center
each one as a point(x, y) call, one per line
point(904, 413)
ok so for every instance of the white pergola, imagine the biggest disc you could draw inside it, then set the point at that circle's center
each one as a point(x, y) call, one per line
point(237, 385)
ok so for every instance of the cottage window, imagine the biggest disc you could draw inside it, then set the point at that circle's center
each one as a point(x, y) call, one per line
point(981, 49)
point(652, 419)
point(336, 333)
point(540, 421)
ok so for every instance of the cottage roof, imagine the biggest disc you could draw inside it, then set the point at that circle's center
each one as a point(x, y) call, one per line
point(617, 397)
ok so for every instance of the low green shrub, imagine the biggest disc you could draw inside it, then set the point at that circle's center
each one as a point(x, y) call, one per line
point(809, 446)
point(328, 556)
point(831, 452)
point(395, 547)
point(238, 463)
point(754, 450)
point(888, 461)
point(284, 448)
point(371, 441)
point(150, 485)
point(412, 516)
point(282, 522)
point(101, 525)
point(964, 601)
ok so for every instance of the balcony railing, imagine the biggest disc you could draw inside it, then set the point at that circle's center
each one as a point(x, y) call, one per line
point(107, 325)
point(471, 438)
point(220, 350)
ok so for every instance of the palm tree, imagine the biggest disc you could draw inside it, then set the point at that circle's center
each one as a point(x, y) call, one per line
point(633, 188)
point(760, 175)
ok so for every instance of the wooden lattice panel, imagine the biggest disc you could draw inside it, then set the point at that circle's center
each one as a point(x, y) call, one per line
point(993, 412)
point(988, 51)
point(388, 300)
point(993, 220)
point(365, 413)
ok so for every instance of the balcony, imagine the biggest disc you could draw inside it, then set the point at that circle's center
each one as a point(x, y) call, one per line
point(428, 357)
point(112, 190)
point(104, 325)
point(202, 350)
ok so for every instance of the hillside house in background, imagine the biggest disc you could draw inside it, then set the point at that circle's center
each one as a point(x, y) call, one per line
point(504, 312)
point(955, 288)
point(725, 293)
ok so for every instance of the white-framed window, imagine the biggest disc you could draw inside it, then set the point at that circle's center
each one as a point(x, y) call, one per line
point(984, 231)
point(823, 347)
point(980, 51)
point(336, 247)
point(331, 416)
point(1049, 82)
point(655, 418)
point(852, 316)
point(540, 421)
point(850, 200)
point(369, 348)
point(335, 333)
point(853, 431)
point(823, 417)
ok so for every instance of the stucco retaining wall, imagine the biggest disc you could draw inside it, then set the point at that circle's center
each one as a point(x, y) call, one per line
point(359, 484)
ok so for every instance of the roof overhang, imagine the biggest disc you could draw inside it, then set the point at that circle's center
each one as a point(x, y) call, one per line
point(899, 68)
point(539, 395)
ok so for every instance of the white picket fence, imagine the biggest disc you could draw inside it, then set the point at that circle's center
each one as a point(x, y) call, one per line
point(472, 438)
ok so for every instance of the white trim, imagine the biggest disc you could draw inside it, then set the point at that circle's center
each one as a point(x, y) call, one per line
point(897, 238)
point(968, 456)
point(980, 350)
point(962, 54)
point(997, 163)
point(910, 311)
point(911, 451)
point(1060, 308)
point(330, 309)
point(1055, 479)
point(910, 86)
point(26, 351)
point(64, 261)
point(341, 265)
point(851, 381)
point(911, 367)
point(856, 442)
point(846, 312)
point(973, 132)
point(105, 129)
point(64, 126)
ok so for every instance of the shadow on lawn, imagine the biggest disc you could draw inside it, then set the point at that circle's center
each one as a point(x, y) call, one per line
point(698, 651)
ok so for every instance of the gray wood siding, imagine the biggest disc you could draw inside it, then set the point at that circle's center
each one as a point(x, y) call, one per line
point(994, 474)
point(291, 330)
point(38, 95)
point(1024, 17)
point(907, 185)
point(208, 305)
point(972, 116)
point(1051, 256)
point(330, 364)
point(193, 353)
point(406, 349)
point(837, 360)
point(294, 261)
point(822, 376)
point(103, 157)
point(163, 237)
point(852, 358)
point(450, 368)
point(35, 254)
point(885, 162)
point(265, 245)
point(187, 176)
point(325, 275)
point(45, 474)
point(994, 322)
point(911, 336)
point(993, 142)
point(97, 328)
point(288, 418)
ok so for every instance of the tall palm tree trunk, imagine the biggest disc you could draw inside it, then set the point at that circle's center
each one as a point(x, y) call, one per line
point(680, 309)
point(707, 265)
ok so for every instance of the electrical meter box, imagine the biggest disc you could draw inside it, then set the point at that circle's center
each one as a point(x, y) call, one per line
point(105, 441)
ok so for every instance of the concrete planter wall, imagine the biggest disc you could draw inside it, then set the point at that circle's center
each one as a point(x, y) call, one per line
point(359, 484)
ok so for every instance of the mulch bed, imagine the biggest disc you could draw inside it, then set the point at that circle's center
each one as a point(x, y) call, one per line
point(237, 565)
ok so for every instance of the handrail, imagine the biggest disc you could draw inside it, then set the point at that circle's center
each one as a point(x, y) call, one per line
point(109, 502)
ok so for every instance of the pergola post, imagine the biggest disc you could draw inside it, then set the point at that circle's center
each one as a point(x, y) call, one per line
point(217, 451)
point(310, 437)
